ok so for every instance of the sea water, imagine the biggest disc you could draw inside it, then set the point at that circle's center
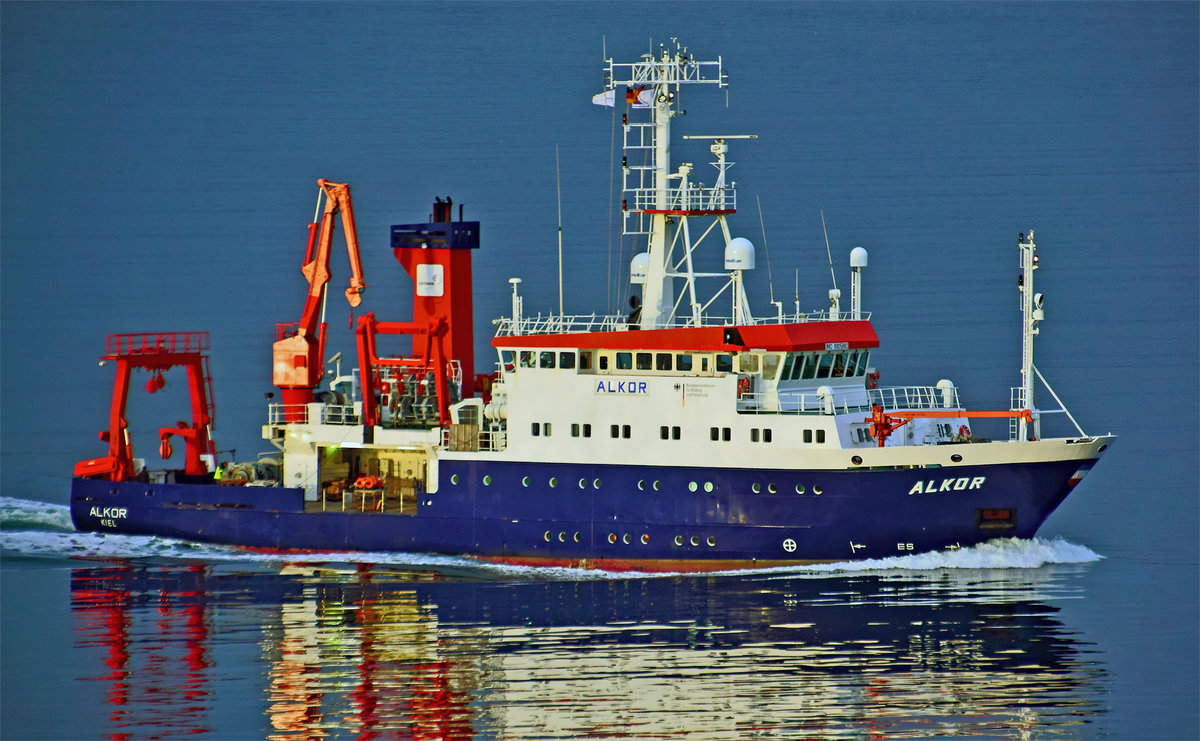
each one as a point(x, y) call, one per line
point(158, 168)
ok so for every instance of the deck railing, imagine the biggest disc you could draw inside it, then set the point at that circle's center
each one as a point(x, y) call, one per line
point(564, 324)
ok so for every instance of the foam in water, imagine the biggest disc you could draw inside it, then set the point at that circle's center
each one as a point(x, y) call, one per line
point(41, 529)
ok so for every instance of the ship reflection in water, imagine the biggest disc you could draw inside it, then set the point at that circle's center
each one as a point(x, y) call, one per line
point(316, 651)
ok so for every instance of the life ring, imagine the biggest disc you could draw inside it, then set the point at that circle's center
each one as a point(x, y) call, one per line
point(964, 431)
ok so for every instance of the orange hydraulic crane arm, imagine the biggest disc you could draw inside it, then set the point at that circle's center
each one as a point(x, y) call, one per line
point(885, 423)
point(298, 365)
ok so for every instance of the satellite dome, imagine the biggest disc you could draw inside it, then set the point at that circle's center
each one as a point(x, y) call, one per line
point(739, 254)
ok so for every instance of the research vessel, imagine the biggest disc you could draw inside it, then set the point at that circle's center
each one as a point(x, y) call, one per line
point(690, 434)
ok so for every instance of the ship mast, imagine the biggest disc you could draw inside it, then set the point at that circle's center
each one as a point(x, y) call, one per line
point(656, 197)
point(1031, 314)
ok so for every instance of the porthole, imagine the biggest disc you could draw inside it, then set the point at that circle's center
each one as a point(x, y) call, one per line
point(576, 537)
point(562, 537)
point(657, 485)
point(487, 480)
point(755, 488)
point(817, 490)
point(645, 539)
point(956, 458)
point(708, 486)
point(582, 483)
point(553, 482)
point(547, 536)
point(525, 481)
point(799, 488)
point(595, 483)
point(678, 540)
point(626, 539)
point(711, 541)
point(454, 479)
point(692, 486)
point(695, 540)
point(856, 460)
point(641, 485)
point(771, 489)
point(612, 537)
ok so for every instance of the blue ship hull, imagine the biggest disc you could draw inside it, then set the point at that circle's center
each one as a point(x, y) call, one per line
point(617, 517)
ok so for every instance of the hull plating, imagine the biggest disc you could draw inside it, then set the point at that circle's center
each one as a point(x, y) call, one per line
point(613, 516)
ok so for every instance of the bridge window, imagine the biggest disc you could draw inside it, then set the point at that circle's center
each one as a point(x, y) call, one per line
point(724, 363)
point(824, 365)
point(624, 361)
point(683, 362)
point(566, 359)
point(546, 360)
point(526, 358)
point(645, 361)
point(747, 363)
point(770, 366)
point(662, 361)
point(585, 360)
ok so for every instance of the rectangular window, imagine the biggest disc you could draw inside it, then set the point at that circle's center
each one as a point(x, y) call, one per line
point(724, 363)
point(747, 363)
point(535, 429)
point(726, 434)
point(820, 436)
point(624, 361)
point(862, 363)
point(645, 361)
point(662, 361)
point(574, 429)
point(527, 358)
point(663, 432)
point(787, 366)
point(851, 364)
point(507, 358)
point(546, 429)
point(546, 360)
point(810, 367)
point(603, 362)
point(766, 434)
point(625, 431)
point(824, 365)
point(614, 430)
point(585, 360)
point(704, 364)
point(683, 362)
point(714, 433)
point(587, 430)
point(770, 366)
point(675, 433)
point(566, 359)
point(753, 434)
point(808, 436)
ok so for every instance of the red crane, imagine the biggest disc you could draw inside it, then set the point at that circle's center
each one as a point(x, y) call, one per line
point(156, 352)
point(300, 346)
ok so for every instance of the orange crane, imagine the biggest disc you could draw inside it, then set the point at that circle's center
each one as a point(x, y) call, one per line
point(300, 346)
point(884, 424)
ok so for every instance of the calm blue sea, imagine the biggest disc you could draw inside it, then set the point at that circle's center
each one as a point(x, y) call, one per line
point(158, 166)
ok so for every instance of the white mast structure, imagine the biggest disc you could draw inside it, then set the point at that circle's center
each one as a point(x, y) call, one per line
point(656, 198)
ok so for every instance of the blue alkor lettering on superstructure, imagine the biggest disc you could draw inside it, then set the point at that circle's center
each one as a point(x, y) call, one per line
point(634, 388)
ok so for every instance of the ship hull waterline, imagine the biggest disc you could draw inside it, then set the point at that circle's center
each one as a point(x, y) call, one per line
point(612, 517)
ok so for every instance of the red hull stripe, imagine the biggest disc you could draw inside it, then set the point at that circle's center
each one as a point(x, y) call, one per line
point(644, 565)
point(783, 337)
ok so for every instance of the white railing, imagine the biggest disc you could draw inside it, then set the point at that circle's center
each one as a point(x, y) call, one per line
point(913, 397)
point(691, 198)
point(329, 414)
point(566, 324)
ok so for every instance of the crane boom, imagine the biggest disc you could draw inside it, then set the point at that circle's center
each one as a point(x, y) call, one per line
point(299, 347)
